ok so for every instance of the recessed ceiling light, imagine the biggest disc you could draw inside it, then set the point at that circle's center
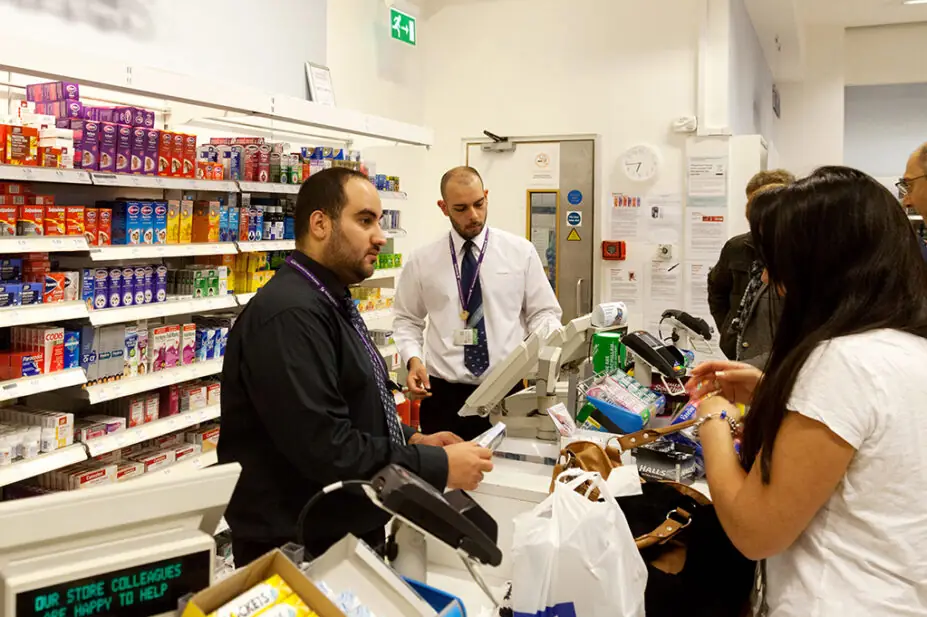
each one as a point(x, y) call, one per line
point(914, 2)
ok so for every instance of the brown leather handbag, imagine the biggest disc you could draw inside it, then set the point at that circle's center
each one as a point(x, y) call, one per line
point(677, 531)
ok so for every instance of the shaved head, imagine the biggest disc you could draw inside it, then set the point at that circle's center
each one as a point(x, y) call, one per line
point(459, 174)
point(913, 184)
point(922, 157)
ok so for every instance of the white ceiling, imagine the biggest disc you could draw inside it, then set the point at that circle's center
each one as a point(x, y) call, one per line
point(856, 13)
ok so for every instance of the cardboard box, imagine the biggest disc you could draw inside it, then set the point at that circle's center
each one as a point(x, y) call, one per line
point(22, 145)
point(189, 156)
point(55, 220)
point(152, 161)
point(165, 146)
point(124, 142)
point(75, 220)
point(137, 150)
point(274, 562)
point(173, 222)
point(109, 138)
point(186, 222)
point(206, 221)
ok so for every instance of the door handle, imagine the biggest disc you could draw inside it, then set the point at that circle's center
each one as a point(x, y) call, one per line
point(579, 296)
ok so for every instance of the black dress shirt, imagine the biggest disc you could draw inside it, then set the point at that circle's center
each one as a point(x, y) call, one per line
point(301, 410)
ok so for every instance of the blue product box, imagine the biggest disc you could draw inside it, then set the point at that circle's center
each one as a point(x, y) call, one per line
point(233, 223)
point(235, 163)
point(33, 293)
point(224, 224)
point(128, 286)
point(11, 294)
point(11, 269)
point(86, 287)
point(199, 345)
point(71, 349)
point(221, 341)
point(159, 286)
point(149, 284)
point(252, 224)
point(119, 222)
point(32, 366)
point(146, 222)
point(140, 285)
point(100, 288)
point(89, 338)
point(134, 231)
point(258, 216)
point(115, 288)
point(160, 222)
point(289, 228)
point(211, 342)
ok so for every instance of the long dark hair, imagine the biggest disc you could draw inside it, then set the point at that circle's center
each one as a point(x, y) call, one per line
point(840, 246)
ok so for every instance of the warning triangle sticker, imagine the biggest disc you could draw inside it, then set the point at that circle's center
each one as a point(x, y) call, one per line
point(573, 236)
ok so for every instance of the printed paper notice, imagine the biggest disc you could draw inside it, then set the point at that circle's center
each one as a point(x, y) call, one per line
point(696, 287)
point(665, 285)
point(708, 176)
point(664, 219)
point(626, 216)
point(706, 232)
point(544, 166)
point(624, 285)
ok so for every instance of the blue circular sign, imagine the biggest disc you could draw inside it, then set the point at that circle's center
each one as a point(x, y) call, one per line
point(574, 218)
point(575, 197)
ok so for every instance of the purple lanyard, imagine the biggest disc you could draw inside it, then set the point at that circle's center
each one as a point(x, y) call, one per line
point(465, 301)
point(309, 276)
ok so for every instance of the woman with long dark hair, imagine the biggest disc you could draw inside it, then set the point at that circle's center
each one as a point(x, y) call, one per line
point(830, 488)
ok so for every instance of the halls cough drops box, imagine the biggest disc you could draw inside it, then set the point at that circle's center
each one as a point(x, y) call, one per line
point(252, 602)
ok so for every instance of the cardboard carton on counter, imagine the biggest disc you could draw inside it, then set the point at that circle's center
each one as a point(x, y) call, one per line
point(274, 562)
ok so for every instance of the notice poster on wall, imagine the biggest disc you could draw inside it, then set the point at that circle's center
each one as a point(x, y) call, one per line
point(696, 289)
point(624, 285)
point(625, 220)
point(706, 232)
point(707, 180)
point(663, 214)
point(663, 290)
point(544, 167)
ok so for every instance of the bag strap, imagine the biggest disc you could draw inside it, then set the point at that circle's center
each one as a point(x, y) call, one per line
point(650, 435)
point(676, 521)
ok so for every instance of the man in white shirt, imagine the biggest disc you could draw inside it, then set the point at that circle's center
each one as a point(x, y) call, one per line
point(482, 291)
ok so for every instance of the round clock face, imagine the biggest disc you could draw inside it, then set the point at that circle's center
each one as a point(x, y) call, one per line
point(640, 163)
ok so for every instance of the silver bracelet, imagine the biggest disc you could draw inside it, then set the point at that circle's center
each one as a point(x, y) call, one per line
point(723, 415)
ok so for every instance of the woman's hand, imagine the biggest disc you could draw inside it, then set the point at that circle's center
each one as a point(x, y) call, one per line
point(735, 381)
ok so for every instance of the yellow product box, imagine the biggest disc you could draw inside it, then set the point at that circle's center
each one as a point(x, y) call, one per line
point(271, 586)
point(186, 222)
point(173, 221)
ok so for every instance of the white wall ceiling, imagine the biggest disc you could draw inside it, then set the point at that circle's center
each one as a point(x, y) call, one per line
point(781, 25)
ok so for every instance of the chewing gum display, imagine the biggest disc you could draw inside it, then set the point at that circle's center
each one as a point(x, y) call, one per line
point(252, 602)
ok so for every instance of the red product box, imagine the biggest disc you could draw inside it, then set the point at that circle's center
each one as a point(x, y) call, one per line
point(90, 225)
point(53, 347)
point(243, 222)
point(8, 217)
point(40, 200)
point(12, 188)
point(54, 290)
point(152, 405)
point(189, 156)
point(51, 157)
point(22, 144)
point(55, 220)
point(170, 401)
point(31, 221)
point(104, 226)
point(12, 200)
point(75, 220)
point(264, 164)
point(164, 153)
point(4, 130)
point(177, 147)
point(16, 360)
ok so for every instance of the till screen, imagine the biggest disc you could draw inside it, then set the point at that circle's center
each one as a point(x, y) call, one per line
point(140, 591)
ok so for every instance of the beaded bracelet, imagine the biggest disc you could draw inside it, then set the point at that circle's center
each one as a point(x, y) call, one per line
point(721, 416)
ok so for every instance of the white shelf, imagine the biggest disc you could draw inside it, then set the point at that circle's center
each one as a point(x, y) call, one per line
point(384, 274)
point(915, 217)
point(395, 233)
point(164, 183)
point(269, 187)
point(157, 251)
point(154, 310)
point(27, 386)
point(41, 464)
point(19, 173)
point(152, 381)
point(244, 299)
point(40, 313)
point(43, 244)
point(267, 245)
point(393, 195)
point(378, 320)
point(138, 434)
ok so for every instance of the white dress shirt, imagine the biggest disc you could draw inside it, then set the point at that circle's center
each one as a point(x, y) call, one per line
point(517, 300)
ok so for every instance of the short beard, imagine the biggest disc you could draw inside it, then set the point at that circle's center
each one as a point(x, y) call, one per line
point(466, 235)
point(350, 269)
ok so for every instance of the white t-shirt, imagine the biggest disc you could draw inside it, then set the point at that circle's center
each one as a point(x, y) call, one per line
point(865, 552)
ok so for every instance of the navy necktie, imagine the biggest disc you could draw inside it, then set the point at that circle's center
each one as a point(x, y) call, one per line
point(476, 357)
point(379, 371)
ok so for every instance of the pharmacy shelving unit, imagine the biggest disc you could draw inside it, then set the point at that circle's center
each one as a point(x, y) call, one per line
point(183, 102)
point(151, 430)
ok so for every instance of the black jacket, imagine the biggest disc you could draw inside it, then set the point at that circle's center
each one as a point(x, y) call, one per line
point(300, 411)
point(727, 282)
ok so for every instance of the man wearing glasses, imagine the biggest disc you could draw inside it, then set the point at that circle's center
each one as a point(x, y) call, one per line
point(912, 188)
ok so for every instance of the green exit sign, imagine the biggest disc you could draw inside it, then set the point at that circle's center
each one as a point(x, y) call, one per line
point(402, 26)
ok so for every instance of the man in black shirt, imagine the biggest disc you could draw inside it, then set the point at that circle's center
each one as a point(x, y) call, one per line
point(305, 400)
